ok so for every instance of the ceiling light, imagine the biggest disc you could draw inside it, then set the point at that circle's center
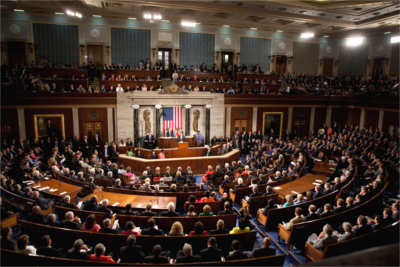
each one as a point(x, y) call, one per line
point(70, 13)
point(19, 10)
point(306, 35)
point(253, 28)
point(147, 16)
point(59, 13)
point(96, 16)
point(227, 26)
point(186, 23)
point(388, 32)
point(354, 41)
point(132, 18)
point(395, 39)
point(279, 31)
point(157, 17)
point(78, 15)
point(165, 20)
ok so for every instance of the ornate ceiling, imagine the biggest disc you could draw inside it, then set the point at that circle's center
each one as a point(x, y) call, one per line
point(321, 16)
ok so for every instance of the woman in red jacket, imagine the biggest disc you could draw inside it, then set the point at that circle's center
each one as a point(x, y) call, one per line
point(208, 174)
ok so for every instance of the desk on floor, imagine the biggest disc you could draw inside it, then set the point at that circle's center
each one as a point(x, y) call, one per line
point(57, 188)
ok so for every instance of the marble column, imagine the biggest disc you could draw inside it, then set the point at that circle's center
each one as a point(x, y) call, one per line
point(208, 123)
point(136, 123)
point(312, 120)
point(228, 122)
point(254, 124)
point(110, 123)
point(328, 118)
point(21, 123)
point(290, 120)
point(158, 124)
point(362, 118)
point(75, 121)
point(187, 120)
point(380, 120)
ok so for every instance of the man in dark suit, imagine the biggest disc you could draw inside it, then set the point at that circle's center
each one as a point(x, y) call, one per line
point(169, 132)
point(187, 255)
point(312, 213)
point(156, 256)
point(107, 227)
point(265, 250)
point(71, 222)
point(131, 252)
point(152, 228)
point(85, 146)
point(208, 151)
point(237, 253)
point(45, 249)
point(149, 140)
point(96, 142)
point(6, 239)
point(211, 253)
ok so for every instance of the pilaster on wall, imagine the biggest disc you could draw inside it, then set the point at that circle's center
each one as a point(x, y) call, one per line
point(320, 67)
point(290, 120)
point(335, 68)
point(312, 120)
point(82, 54)
point(153, 58)
point(254, 124)
point(328, 119)
point(217, 59)
point(177, 57)
point(29, 53)
point(107, 55)
point(289, 65)
point(380, 120)
point(21, 123)
point(362, 118)
point(75, 121)
point(236, 59)
point(228, 121)
point(272, 63)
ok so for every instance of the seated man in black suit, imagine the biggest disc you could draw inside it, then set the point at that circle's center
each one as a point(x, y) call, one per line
point(45, 249)
point(6, 239)
point(131, 252)
point(237, 253)
point(169, 132)
point(187, 255)
point(156, 256)
point(107, 227)
point(71, 222)
point(152, 228)
point(312, 213)
point(212, 252)
point(265, 250)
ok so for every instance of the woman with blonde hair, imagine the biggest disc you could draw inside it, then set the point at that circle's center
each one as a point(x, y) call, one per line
point(207, 211)
point(176, 229)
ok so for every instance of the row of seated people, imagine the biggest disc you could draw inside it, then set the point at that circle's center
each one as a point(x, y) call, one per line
point(126, 77)
point(181, 77)
point(131, 252)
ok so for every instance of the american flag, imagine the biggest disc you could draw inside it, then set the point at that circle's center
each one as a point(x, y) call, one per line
point(172, 118)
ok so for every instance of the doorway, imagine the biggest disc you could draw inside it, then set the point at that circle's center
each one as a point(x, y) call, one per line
point(281, 62)
point(95, 55)
point(164, 57)
point(90, 129)
point(272, 124)
point(226, 62)
point(377, 69)
point(239, 125)
point(327, 66)
point(16, 53)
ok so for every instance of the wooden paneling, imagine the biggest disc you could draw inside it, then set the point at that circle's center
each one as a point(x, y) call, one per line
point(301, 121)
point(339, 115)
point(320, 118)
point(390, 118)
point(353, 116)
point(9, 123)
point(371, 118)
point(29, 121)
point(242, 116)
point(261, 110)
point(93, 115)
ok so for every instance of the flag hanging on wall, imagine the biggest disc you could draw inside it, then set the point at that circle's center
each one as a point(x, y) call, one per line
point(172, 118)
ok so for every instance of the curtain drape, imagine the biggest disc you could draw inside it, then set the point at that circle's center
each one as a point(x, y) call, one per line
point(305, 58)
point(129, 46)
point(353, 60)
point(196, 49)
point(255, 51)
point(58, 44)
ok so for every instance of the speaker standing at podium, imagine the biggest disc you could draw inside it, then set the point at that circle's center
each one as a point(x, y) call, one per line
point(198, 139)
point(149, 140)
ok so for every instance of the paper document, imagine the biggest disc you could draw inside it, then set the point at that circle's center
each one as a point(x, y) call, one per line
point(62, 193)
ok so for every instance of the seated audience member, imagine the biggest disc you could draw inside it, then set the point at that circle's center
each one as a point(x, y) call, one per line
point(190, 211)
point(45, 249)
point(170, 212)
point(90, 224)
point(208, 175)
point(220, 228)
point(270, 205)
point(361, 227)
point(207, 198)
point(187, 256)
point(227, 209)
point(241, 228)
point(78, 251)
point(99, 251)
point(152, 228)
point(148, 211)
point(327, 210)
point(236, 253)
point(299, 199)
point(130, 229)
point(298, 218)
point(347, 232)
point(318, 192)
point(108, 227)
point(131, 252)
point(198, 229)
point(71, 222)
point(312, 213)
point(176, 229)
point(23, 245)
point(51, 220)
point(128, 210)
point(36, 215)
point(207, 211)
point(325, 238)
point(265, 250)
point(289, 201)
point(6, 239)
point(212, 252)
point(156, 256)
point(387, 216)
point(340, 206)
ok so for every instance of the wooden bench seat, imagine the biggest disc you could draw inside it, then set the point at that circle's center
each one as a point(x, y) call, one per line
point(12, 258)
point(256, 203)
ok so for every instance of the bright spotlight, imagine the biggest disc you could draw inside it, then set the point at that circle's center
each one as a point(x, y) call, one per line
point(147, 16)
point(395, 39)
point(186, 23)
point(354, 41)
point(306, 35)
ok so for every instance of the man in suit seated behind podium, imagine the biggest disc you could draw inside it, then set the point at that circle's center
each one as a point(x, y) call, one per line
point(169, 132)
point(149, 140)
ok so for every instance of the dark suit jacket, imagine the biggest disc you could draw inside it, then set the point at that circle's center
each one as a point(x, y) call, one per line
point(51, 252)
point(131, 254)
point(211, 254)
point(237, 255)
point(152, 231)
point(180, 138)
point(261, 252)
point(154, 259)
point(168, 214)
point(71, 225)
point(187, 259)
